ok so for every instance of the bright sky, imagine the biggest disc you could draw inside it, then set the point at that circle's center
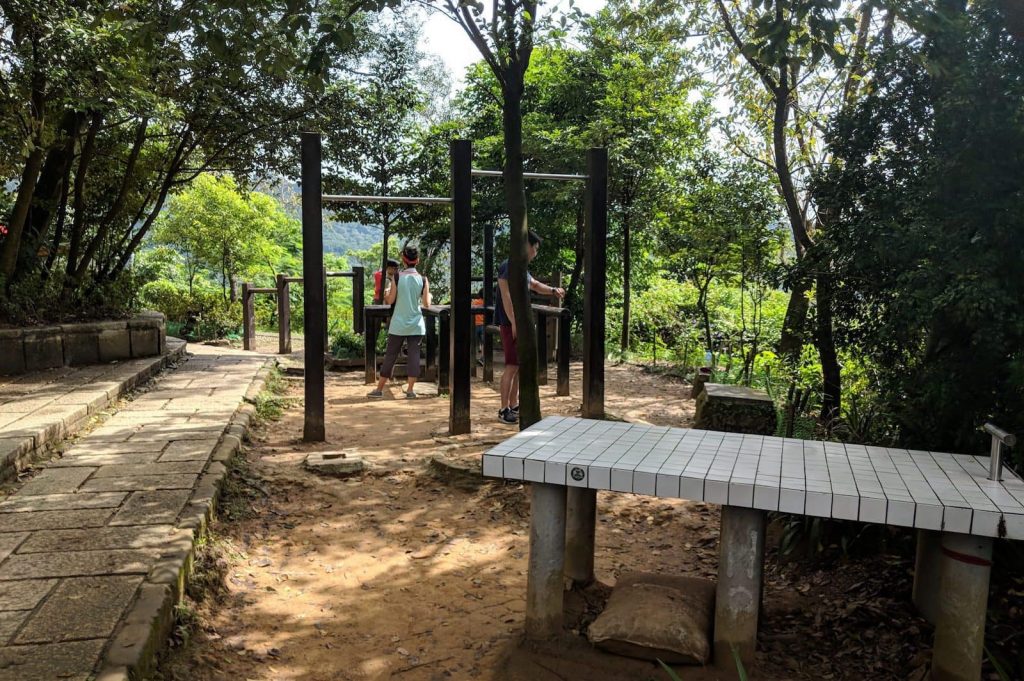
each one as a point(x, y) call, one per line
point(447, 40)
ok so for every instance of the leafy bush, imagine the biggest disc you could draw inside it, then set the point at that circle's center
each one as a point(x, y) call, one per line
point(199, 315)
point(347, 345)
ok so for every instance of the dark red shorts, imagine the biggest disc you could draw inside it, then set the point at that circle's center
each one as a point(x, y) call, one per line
point(508, 344)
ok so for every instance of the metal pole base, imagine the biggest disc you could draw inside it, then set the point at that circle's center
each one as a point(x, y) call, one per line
point(740, 581)
point(580, 522)
point(960, 622)
point(544, 582)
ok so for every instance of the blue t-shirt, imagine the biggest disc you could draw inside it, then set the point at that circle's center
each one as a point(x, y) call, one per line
point(407, 318)
point(500, 316)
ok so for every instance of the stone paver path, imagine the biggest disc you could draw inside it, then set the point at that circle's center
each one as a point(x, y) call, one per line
point(43, 407)
point(92, 549)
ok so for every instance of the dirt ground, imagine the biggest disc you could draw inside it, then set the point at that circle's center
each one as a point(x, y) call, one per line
point(406, 573)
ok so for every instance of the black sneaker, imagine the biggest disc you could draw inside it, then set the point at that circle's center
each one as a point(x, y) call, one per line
point(508, 416)
point(514, 410)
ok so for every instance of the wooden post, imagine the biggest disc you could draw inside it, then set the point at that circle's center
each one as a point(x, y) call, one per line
point(248, 318)
point(488, 300)
point(542, 348)
point(327, 340)
point(595, 262)
point(314, 305)
point(461, 332)
point(552, 321)
point(284, 316)
point(564, 350)
point(444, 355)
point(370, 348)
point(431, 353)
point(358, 297)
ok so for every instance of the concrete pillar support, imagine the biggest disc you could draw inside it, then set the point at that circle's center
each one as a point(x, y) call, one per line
point(544, 582)
point(580, 523)
point(740, 581)
point(966, 562)
point(926, 574)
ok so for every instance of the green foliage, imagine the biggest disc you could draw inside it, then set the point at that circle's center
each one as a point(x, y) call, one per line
point(347, 345)
point(196, 315)
point(927, 236)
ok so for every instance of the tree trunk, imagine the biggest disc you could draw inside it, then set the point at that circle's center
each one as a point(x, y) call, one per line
point(626, 273)
point(50, 195)
point(791, 341)
point(831, 399)
point(78, 223)
point(12, 243)
point(518, 261)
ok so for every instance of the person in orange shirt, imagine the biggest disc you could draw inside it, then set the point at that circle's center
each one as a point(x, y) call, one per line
point(478, 322)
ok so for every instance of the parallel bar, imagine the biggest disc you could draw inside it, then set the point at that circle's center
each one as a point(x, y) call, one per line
point(313, 302)
point(262, 290)
point(351, 198)
point(284, 316)
point(529, 176)
point(547, 310)
point(488, 300)
point(339, 274)
point(293, 280)
point(461, 287)
point(358, 297)
point(595, 283)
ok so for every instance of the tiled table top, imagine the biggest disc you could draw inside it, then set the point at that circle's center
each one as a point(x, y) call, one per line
point(927, 490)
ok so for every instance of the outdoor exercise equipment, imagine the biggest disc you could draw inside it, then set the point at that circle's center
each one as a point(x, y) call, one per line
point(456, 350)
point(284, 307)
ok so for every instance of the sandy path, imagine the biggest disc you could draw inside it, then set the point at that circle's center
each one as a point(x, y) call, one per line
point(402, 575)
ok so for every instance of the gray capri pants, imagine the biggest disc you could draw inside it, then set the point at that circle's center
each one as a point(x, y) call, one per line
point(391, 355)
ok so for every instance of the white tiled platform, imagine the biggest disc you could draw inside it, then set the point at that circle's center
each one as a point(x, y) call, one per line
point(926, 490)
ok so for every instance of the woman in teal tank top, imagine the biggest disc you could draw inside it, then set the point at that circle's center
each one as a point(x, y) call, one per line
point(407, 294)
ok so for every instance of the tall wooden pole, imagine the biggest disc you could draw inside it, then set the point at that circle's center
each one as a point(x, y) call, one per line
point(314, 305)
point(358, 297)
point(461, 332)
point(488, 300)
point(595, 282)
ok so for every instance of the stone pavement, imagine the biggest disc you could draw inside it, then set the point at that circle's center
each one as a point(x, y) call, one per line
point(94, 550)
point(44, 407)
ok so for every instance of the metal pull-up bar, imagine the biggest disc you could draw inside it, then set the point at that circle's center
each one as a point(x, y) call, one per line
point(353, 198)
point(530, 176)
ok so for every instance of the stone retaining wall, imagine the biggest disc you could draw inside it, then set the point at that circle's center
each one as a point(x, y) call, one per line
point(735, 409)
point(48, 347)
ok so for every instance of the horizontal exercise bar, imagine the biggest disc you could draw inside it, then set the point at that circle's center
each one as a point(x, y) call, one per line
point(549, 309)
point(263, 290)
point(351, 198)
point(529, 176)
point(340, 274)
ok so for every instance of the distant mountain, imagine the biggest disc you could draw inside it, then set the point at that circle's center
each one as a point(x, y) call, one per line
point(339, 237)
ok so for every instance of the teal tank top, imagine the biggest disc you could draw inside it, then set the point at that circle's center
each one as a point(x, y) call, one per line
point(407, 318)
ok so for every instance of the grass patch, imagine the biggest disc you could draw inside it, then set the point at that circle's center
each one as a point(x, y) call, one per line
point(271, 403)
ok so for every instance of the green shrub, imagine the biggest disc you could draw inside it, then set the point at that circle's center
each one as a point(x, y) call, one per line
point(199, 315)
point(347, 345)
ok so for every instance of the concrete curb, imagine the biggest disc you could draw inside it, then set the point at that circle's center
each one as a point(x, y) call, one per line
point(34, 446)
point(143, 632)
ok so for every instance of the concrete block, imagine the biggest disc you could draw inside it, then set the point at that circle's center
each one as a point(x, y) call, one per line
point(145, 342)
point(81, 349)
point(115, 344)
point(336, 464)
point(12, 355)
point(44, 348)
point(735, 409)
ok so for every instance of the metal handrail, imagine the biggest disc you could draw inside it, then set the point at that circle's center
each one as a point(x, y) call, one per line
point(355, 198)
point(1000, 439)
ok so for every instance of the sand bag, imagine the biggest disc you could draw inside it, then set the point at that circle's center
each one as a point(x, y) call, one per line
point(658, 617)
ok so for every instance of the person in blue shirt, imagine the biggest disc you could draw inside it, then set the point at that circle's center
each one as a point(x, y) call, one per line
point(409, 292)
point(505, 318)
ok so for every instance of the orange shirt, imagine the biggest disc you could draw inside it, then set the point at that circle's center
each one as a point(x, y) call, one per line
point(478, 319)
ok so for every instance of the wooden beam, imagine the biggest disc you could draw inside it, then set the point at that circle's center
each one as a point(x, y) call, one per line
point(313, 303)
point(461, 332)
point(595, 284)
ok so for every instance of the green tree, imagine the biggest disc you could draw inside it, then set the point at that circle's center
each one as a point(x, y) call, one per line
point(215, 228)
point(927, 230)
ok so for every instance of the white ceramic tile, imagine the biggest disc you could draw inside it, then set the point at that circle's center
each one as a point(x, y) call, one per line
point(492, 466)
point(872, 510)
point(845, 507)
point(956, 519)
point(792, 501)
point(766, 498)
point(818, 504)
